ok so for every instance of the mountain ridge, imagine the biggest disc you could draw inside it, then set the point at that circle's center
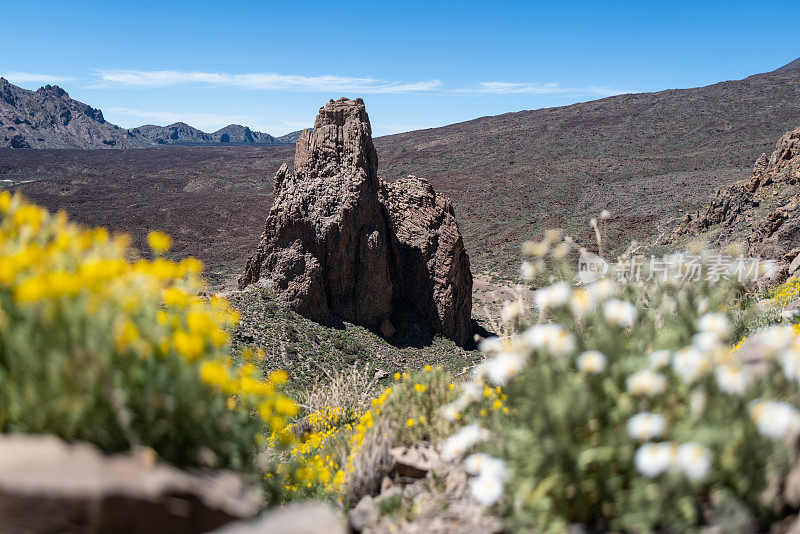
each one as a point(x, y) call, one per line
point(49, 118)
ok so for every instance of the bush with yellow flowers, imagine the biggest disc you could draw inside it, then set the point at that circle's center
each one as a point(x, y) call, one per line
point(98, 345)
point(786, 292)
point(337, 453)
point(628, 406)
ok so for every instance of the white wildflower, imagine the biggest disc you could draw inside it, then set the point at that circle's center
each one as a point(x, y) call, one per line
point(552, 338)
point(775, 339)
point(472, 391)
point(511, 311)
point(668, 306)
point(602, 289)
point(527, 270)
point(503, 366)
point(463, 440)
point(694, 460)
point(484, 465)
point(620, 313)
point(553, 235)
point(775, 419)
point(659, 359)
point(715, 323)
point(790, 362)
point(581, 303)
point(653, 459)
point(646, 425)
point(690, 364)
point(561, 250)
point(706, 341)
point(646, 382)
point(450, 411)
point(490, 344)
point(552, 296)
point(592, 362)
point(731, 378)
point(487, 490)
point(536, 249)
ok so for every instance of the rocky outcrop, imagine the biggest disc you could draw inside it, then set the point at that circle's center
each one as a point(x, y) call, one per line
point(763, 212)
point(341, 244)
point(434, 266)
point(47, 485)
point(49, 118)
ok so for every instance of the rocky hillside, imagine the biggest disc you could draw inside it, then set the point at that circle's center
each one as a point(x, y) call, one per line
point(647, 157)
point(181, 133)
point(174, 134)
point(763, 211)
point(49, 118)
point(290, 138)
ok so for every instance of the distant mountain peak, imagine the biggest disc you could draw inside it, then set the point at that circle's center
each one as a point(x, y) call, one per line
point(49, 118)
point(790, 67)
point(52, 90)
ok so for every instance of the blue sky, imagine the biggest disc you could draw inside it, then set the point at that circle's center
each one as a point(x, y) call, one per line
point(271, 65)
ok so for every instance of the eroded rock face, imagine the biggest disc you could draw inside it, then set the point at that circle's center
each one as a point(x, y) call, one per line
point(341, 244)
point(763, 212)
point(326, 240)
point(433, 265)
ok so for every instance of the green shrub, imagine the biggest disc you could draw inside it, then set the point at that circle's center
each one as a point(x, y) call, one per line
point(98, 346)
point(624, 406)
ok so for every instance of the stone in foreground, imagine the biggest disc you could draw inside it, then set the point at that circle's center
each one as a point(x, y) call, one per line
point(48, 486)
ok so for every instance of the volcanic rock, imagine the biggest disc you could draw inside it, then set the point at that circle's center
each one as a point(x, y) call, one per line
point(341, 244)
point(763, 211)
point(434, 266)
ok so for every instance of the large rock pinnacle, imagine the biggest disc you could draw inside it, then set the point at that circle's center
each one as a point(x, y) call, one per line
point(341, 244)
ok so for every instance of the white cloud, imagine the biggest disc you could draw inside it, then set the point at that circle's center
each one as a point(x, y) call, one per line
point(34, 77)
point(516, 88)
point(208, 122)
point(268, 81)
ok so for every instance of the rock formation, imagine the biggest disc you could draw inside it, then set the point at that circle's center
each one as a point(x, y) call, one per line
point(763, 212)
point(339, 243)
point(434, 267)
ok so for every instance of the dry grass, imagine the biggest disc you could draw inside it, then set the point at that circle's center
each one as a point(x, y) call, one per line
point(371, 463)
point(350, 388)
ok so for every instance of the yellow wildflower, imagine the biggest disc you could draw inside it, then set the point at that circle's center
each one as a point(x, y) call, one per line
point(159, 242)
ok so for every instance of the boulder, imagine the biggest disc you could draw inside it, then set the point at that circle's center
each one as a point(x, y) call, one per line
point(47, 485)
point(340, 244)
